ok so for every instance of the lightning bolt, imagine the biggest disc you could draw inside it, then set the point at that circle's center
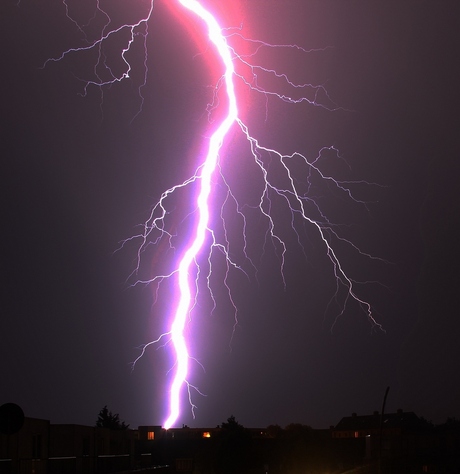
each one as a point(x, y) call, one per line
point(281, 185)
point(207, 170)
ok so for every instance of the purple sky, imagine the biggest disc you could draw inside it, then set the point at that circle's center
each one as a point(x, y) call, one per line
point(78, 176)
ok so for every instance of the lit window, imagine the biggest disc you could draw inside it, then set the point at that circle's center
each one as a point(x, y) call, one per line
point(356, 434)
point(206, 434)
point(150, 435)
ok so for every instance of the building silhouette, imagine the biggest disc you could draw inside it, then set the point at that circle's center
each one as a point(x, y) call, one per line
point(394, 443)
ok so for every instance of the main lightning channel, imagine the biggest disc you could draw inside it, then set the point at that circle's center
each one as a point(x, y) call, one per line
point(208, 168)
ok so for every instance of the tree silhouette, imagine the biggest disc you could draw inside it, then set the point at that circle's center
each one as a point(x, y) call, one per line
point(233, 449)
point(107, 419)
point(232, 426)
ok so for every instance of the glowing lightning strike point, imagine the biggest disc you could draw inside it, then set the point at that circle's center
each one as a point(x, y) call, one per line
point(209, 166)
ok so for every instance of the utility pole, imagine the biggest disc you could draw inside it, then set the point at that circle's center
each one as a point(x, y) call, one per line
point(381, 429)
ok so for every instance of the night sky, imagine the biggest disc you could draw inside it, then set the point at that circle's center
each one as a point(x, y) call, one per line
point(79, 174)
